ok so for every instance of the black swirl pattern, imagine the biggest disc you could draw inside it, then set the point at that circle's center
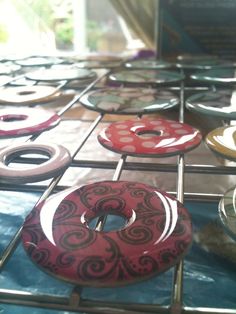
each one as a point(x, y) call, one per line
point(104, 259)
point(86, 193)
point(65, 210)
point(65, 260)
point(40, 256)
point(77, 239)
point(136, 235)
point(167, 256)
point(144, 266)
point(110, 205)
point(181, 246)
point(95, 267)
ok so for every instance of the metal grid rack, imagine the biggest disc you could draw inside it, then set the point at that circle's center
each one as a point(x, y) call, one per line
point(75, 301)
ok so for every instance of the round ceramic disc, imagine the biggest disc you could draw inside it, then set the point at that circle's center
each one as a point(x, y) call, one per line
point(203, 62)
point(157, 233)
point(147, 64)
point(129, 100)
point(227, 211)
point(8, 68)
point(146, 77)
point(94, 64)
point(14, 57)
point(38, 61)
point(27, 121)
point(5, 79)
point(216, 75)
point(27, 94)
point(223, 141)
point(58, 160)
point(149, 137)
point(221, 103)
point(60, 74)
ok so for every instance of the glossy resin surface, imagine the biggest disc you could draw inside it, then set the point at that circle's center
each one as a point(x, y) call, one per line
point(227, 211)
point(27, 94)
point(26, 121)
point(145, 137)
point(146, 76)
point(223, 141)
point(221, 103)
point(129, 100)
point(156, 235)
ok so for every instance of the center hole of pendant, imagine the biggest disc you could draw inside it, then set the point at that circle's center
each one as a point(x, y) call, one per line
point(13, 117)
point(26, 92)
point(26, 159)
point(148, 133)
point(113, 222)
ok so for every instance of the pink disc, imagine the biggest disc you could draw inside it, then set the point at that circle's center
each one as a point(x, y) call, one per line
point(57, 237)
point(27, 121)
point(58, 160)
point(145, 137)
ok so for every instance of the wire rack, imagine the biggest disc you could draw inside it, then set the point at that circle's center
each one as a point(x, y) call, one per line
point(75, 302)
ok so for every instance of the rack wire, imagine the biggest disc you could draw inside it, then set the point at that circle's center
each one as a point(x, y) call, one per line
point(75, 302)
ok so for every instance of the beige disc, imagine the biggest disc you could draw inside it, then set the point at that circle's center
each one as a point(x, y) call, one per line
point(28, 94)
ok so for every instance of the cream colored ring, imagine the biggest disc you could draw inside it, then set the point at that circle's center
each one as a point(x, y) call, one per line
point(59, 160)
point(28, 94)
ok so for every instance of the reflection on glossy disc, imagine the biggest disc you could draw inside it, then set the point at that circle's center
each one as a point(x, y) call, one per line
point(28, 94)
point(39, 61)
point(204, 62)
point(220, 103)
point(156, 235)
point(150, 137)
point(146, 76)
point(147, 64)
point(129, 100)
point(223, 141)
point(216, 75)
point(227, 211)
point(60, 74)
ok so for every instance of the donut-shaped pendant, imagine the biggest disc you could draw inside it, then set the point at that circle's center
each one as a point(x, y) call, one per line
point(222, 141)
point(95, 64)
point(61, 74)
point(27, 121)
point(204, 62)
point(216, 75)
point(59, 160)
point(145, 77)
point(57, 237)
point(150, 137)
point(8, 68)
point(38, 61)
point(27, 94)
point(217, 103)
point(129, 100)
point(147, 64)
point(227, 212)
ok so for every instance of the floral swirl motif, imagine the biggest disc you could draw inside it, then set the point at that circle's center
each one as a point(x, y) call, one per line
point(77, 239)
point(40, 256)
point(153, 240)
point(66, 209)
point(136, 235)
point(109, 205)
point(167, 256)
point(120, 267)
point(86, 193)
point(65, 260)
point(95, 267)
